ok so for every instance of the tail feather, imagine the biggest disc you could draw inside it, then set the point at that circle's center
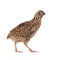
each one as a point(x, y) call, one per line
point(8, 35)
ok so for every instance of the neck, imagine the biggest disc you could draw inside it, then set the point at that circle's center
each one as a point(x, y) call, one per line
point(37, 18)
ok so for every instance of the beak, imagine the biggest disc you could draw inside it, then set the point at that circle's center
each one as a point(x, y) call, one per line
point(44, 13)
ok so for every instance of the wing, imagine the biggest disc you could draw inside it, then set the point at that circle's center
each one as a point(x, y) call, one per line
point(23, 29)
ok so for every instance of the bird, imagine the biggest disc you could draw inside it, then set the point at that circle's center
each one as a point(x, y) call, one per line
point(26, 30)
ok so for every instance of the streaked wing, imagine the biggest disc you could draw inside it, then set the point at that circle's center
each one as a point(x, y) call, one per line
point(23, 29)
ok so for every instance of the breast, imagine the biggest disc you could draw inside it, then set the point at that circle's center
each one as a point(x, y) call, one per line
point(35, 28)
point(33, 34)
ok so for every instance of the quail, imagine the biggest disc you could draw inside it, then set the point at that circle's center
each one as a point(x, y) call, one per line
point(26, 30)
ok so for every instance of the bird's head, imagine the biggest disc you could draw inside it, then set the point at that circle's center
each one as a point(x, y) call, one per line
point(39, 14)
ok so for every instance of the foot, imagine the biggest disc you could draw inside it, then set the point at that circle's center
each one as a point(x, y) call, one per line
point(18, 51)
point(34, 51)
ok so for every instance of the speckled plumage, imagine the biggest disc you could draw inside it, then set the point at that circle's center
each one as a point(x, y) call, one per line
point(24, 31)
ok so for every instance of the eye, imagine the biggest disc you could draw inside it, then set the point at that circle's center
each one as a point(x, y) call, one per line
point(39, 12)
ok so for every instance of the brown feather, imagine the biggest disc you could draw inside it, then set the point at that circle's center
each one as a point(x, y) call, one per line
point(24, 31)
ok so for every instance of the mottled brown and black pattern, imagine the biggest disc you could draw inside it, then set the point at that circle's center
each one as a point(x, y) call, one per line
point(24, 31)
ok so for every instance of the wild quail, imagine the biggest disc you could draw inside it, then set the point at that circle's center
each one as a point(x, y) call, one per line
point(26, 30)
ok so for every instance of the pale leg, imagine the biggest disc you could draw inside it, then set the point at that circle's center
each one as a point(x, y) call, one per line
point(29, 48)
point(16, 49)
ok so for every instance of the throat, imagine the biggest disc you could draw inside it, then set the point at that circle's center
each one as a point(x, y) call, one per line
point(37, 19)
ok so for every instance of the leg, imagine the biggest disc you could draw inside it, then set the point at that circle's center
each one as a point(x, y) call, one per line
point(25, 43)
point(16, 49)
point(29, 48)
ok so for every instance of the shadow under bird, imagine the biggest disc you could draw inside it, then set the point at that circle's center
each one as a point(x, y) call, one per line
point(26, 30)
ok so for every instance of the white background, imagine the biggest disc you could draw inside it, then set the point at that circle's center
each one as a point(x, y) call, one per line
point(47, 39)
